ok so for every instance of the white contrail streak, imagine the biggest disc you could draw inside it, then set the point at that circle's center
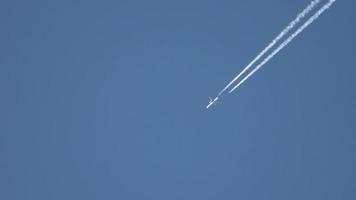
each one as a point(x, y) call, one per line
point(286, 42)
point(274, 41)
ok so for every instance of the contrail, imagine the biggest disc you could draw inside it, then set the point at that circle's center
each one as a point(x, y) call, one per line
point(286, 42)
point(274, 41)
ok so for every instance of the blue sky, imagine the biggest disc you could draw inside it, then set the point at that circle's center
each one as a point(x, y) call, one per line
point(106, 100)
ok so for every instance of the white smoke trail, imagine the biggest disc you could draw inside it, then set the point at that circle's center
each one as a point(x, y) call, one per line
point(286, 42)
point(274, 41)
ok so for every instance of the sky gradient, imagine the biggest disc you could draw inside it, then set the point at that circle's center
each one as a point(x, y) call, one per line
point(106, 100)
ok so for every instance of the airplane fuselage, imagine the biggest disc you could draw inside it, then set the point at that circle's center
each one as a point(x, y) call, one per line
point(212, 102)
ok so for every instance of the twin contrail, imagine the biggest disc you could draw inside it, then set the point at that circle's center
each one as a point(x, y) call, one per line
point(274, 41)
point(286, 42)
point(291, 25)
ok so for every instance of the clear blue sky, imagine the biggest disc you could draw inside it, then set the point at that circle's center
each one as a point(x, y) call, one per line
point(106, 100)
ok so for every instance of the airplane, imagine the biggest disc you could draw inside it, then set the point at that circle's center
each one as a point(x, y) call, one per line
point(212, 102)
